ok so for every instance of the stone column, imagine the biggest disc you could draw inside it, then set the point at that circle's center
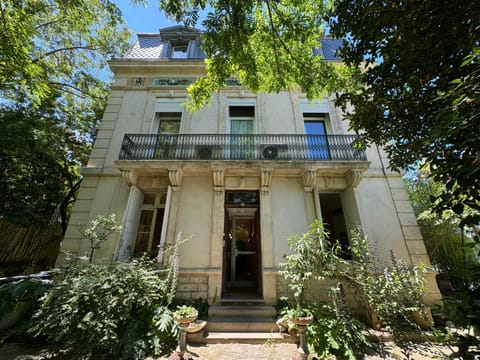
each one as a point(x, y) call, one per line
point(268, 268)
point(175, 177)
point(217, 238)
point(309, 179)
point(130, 224)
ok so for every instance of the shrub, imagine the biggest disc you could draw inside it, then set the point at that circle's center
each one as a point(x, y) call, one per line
point(18, 301)
point(106, 311)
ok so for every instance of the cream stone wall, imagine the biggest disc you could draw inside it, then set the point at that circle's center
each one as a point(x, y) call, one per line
point(288, 213)
point(288, 203)
point(194, 221)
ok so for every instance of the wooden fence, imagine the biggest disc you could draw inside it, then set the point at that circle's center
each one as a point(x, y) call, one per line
point(27, 249)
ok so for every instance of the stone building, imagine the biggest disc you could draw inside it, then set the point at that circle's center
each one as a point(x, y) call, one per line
point(239, 176)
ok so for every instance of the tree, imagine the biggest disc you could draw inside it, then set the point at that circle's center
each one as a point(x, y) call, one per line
point(420, 97)
point(56, 46)
point(53, 90)
point(267, 45)
point(40, 160)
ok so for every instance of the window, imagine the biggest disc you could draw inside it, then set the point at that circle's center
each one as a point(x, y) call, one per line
point(168, 122)
point(179, 49)
point(150, 225)
point(317, 144)
point(334, 221)
point(241, 125)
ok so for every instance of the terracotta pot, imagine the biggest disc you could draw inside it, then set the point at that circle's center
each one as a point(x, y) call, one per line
point(423, 318)
point(373, 318)
point(195, 326)
point(186, 319)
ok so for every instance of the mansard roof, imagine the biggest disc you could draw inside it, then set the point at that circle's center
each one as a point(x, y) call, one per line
point(155, 46)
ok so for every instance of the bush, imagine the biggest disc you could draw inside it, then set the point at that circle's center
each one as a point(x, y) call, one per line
point(18, 301)
point(106, 311)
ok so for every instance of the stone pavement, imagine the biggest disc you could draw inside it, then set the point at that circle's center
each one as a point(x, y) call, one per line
point(234, 351)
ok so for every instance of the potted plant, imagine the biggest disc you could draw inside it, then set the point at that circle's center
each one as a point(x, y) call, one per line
point(300, 316)
point(394, 293)
point(185, 314)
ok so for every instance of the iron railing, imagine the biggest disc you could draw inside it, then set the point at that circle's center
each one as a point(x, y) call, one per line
point(241, 147)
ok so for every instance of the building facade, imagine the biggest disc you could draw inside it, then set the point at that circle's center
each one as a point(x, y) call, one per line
point(237, 178)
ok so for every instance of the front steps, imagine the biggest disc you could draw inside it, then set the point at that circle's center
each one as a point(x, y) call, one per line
point(252, 324)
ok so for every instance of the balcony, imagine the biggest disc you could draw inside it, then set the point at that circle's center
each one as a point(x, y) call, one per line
point(204, 147)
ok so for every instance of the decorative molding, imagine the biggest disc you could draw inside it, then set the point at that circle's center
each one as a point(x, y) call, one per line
point(175, 177)
point(233, 82)
point(354, 178)
point(328, 181)
point(309, 179)
point(172, 81)
point(139, 82)
point(218, 181)
point(182, 82)
point(129, 177)
point(265, 181)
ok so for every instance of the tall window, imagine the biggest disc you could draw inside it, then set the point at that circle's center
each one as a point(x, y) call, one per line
point(241, 124)
point(150, 226)
point(317, 144)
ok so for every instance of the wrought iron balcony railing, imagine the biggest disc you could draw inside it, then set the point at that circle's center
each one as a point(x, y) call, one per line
point(241, 147)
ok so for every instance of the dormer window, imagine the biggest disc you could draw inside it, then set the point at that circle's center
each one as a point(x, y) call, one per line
point(179, 49)
point(183, 42)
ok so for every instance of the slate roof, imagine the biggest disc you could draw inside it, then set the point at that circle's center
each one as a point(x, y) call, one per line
point(152, 47)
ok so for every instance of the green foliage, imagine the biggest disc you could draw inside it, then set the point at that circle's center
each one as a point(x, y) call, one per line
point(393, 293)
point(452, 251)
point(49, 47)
point(395, 41)
point(334, 333)
point(106, 311)
point(462, 309)
point(185, 311)
point(18, 301)
point(40, 159)
point(201, 305)
point(267, 45)
point(99, 230)
point(312, 258)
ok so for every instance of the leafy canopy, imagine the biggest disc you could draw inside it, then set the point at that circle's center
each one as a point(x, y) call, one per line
point(422, 85)
point(268, 45)
point(53, 91)
point(57, 46)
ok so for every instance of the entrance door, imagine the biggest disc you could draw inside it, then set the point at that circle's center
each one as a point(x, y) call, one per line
point(241, 255)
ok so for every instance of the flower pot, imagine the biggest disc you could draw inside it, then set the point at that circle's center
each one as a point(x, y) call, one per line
point(423, 318)
point(185, 319)
point(195, 326)
point(303, 320)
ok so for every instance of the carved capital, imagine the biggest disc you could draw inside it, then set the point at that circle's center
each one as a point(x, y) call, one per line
point(265, 181)
point(175, 177)
point(354, 178)
point(129, 177)
point(218, 181)
point(309, 179)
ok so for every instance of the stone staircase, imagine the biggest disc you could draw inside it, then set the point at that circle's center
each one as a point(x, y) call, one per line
point(245, 323)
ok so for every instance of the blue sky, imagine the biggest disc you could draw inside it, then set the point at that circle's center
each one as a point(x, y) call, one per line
point(142, 19)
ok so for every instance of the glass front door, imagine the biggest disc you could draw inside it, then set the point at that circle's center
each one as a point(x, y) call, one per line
point(241, 253)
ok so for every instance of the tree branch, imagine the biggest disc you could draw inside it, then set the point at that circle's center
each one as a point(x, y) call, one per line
point(78, 92)
point(64, 49)
point(279, 38)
